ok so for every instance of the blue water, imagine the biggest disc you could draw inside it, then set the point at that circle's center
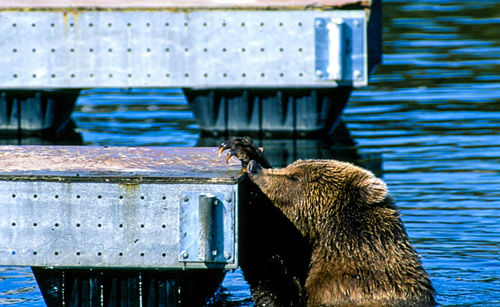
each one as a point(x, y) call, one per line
point(431, 116)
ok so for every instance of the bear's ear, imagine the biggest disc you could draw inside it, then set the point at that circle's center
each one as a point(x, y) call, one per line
point(373, 189)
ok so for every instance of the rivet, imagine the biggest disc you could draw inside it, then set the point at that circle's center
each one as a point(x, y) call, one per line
point(228, 198)
point(318, 23)
point(185, 254)
point(214, 253)
point(357, 74)
point(319, 74)
point(185, 198)
point(227, 255)
point(357, 23)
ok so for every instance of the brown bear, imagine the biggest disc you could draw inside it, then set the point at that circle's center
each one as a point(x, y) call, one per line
point(349, 246)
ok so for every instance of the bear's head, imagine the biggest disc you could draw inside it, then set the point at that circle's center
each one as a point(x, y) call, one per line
point(315, 194)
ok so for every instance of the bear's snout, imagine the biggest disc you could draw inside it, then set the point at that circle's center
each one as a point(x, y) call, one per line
point(253, 167)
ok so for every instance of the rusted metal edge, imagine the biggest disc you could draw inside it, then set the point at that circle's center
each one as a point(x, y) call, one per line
point(234, 178)
point(187, 10)
point(116, 164)
point(192, 5)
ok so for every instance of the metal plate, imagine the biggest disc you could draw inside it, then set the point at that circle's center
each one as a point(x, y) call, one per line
point(195, 49)
point(83, 224)
point(205, 235)
point(340, 48)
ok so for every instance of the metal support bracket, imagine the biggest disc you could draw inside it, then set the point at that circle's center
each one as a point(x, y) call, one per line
point(206, 227)
point(340, 49)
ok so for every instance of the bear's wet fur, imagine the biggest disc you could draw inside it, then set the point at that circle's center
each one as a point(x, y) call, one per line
point(336, 240)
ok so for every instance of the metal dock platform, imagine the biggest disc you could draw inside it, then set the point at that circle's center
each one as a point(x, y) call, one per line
point(188, 44)
point(103, 225)
point(266, 59)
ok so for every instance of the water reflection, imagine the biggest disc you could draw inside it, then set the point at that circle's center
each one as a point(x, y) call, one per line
point(65, 135)
point(136, 117)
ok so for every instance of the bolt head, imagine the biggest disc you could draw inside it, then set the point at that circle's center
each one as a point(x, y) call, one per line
point(357, 74)
point(228, 198)
point(319, 74)
point(214, 253)
point(318, 23)
point(227, 255)
point(185, 198)
point(185, 254)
